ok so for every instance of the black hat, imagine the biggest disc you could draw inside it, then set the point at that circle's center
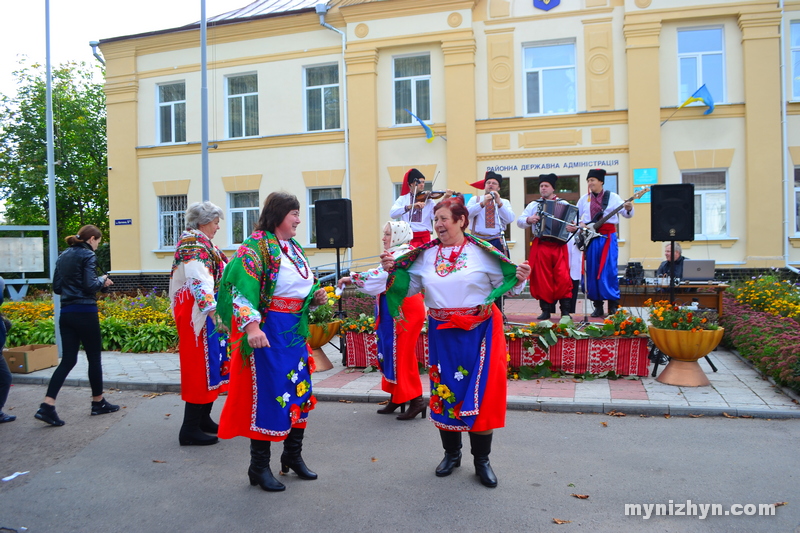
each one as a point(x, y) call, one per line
point(413, 175)
point(548, 178)
point(597, 173)
point(490, 175)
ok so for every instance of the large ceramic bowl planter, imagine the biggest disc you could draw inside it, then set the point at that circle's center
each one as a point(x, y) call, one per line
point(320, 336)
point(684, 349)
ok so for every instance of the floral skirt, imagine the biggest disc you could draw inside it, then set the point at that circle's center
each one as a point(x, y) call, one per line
point(397, 345)
point(468, 365)
point(270, 391)
point(201, 357)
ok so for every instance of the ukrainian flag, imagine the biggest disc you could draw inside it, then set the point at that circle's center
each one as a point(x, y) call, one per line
point(701, 95)
point(428, 131)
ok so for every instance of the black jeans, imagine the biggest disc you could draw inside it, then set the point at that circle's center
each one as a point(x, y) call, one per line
point(5, 373)
point(77, 329)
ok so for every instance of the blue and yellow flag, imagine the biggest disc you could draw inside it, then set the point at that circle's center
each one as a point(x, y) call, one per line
point(701, 95)
point(428, 131)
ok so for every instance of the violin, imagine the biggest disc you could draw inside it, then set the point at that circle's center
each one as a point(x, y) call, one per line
point(433, 195)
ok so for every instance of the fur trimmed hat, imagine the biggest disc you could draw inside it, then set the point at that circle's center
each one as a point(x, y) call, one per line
point(548, 178)
point(410, 178)
point(597, 173)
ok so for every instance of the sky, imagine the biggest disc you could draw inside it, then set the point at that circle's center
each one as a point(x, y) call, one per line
point(73, 23)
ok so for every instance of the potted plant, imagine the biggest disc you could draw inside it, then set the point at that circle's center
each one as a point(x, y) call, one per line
point(322, 327)
point(685, 334)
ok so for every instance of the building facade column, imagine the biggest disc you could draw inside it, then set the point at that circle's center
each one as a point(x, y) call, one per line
point(761, 55)
point(362, 76)
point(122, 132)
point(459, 88)
point(644, 124)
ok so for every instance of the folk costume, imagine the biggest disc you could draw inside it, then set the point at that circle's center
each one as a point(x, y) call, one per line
point(194, 281)
point(397, 337)
point(467, 348)
point(421, 220)
point(549, 259)
point(602, 253)
point(269, 282)
point(489, 221)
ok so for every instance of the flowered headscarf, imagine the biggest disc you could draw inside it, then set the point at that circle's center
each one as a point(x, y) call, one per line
point(401, 236)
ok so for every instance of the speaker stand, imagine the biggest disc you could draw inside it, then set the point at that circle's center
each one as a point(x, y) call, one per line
point(340, 314)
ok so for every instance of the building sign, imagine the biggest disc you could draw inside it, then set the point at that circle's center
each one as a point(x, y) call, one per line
point(545, 5)
point(554, 165)
point(24, 254)
point(644, 176)
point(123, 222)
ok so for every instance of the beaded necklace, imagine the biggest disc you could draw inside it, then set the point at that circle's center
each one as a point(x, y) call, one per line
point(440, 260)
point(296, 258)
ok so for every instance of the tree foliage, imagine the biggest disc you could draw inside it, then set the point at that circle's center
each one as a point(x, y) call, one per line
point(79, 134)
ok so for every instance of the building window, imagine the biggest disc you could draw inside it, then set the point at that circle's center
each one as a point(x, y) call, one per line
point(710, 202)
point(701, 62)
point(172, 113)
point(795, 39)
point(171, 218)
point(244, 214)
point(243, 106)
point(550, 79)
point(797, 199)
point(412, 88)
point(327, 193)
point(322, 98)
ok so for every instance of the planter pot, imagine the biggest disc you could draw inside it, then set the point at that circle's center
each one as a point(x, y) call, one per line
point(684, 349)
point(320, 336)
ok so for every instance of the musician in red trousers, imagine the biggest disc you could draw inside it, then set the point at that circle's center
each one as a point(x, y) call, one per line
point(550, 281)
point(602, 252)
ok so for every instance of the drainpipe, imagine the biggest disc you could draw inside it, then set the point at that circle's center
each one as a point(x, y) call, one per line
point(322, 9)
point(95, 53)
point(787, 183)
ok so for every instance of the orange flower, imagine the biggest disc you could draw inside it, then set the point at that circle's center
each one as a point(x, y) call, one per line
point(636, 332)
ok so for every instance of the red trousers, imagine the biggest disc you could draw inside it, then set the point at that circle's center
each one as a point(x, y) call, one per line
point(550, 279)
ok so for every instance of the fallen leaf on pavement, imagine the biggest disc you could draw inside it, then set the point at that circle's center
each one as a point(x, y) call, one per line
point(557, 521)
point(667, 416)
point(157, 461)
point(385, 402)
point(780, 504)
point(374, 459)
point(745, 416)
point(726, 415)
point(615, 413)
point(604, 424)
point(153, 394)
point(695, 416)
point(580, 496)
point(345, 401)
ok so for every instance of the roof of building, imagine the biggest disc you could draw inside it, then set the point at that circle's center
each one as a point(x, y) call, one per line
point(264, 7)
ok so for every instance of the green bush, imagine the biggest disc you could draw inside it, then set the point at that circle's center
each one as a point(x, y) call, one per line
point(151, 337)
point(114, 331)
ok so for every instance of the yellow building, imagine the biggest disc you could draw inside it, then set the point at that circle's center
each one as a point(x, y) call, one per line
point(521, 87)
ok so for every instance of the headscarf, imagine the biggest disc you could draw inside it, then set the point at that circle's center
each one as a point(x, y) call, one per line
point(401, 236)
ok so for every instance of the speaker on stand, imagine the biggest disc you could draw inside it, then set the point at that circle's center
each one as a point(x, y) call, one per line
point(333, 220)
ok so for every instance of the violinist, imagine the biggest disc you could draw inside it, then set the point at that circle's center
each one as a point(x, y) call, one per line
point(416, 207)
point(489, 215)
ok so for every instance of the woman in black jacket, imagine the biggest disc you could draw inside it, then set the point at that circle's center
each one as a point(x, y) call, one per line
point(76, 280)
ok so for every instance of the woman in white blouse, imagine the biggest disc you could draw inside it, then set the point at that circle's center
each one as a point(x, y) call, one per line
point(461, 277)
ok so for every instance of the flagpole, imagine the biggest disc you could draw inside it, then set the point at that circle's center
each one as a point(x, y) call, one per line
point(672, 115)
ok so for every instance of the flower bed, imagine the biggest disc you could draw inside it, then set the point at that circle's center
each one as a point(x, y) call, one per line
point(769, 340)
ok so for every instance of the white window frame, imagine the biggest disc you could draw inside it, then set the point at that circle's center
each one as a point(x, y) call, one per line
point(311, 227)
point(229, 97)
point(243, 210)
point(525, 71)
point(794, 57)
point(703, 194)
point(171, 105)
point(307, 93)
point(413, 79)
point(797, 199)
point(177, 214)
point(723, 98)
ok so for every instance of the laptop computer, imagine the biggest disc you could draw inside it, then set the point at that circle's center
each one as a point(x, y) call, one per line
point(699, 270)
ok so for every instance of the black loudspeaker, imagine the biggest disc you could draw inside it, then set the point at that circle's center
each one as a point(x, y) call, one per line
point(672, 212)
point(334, 222)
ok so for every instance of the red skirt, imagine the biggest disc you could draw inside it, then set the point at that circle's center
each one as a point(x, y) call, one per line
point(408, 384)
point(196, 384)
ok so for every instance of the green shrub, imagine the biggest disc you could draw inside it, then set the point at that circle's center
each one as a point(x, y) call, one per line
point(151, 337)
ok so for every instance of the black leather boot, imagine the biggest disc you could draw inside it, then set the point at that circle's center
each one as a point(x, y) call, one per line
point(191, 434)
point(547, 308)
point(481, 448)
point(566, 307)
point(415, 407)
point(613, 305)
point(391, 407)
point(451, 442)
point(598, 308)
point(206, 423)
point(259, 472)
point(291, 458)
